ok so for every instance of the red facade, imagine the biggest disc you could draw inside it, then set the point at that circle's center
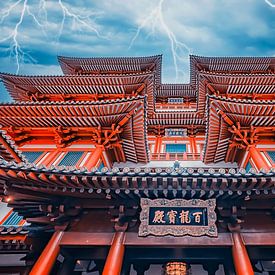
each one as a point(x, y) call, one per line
point(90, 144)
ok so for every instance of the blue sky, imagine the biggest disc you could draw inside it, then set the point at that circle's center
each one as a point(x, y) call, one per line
point(41, 30)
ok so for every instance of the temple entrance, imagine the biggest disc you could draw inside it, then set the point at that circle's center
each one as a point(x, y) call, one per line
point(162, 260)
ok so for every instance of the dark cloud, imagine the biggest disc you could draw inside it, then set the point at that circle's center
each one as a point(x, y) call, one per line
point(207, 27)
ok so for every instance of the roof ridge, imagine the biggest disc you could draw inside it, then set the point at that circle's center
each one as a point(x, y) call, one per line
point(246, 101)
point(78, 75)
point(73, 102)
point(118, 171)
point(60, 57)
point(236, 74)
point(228, 57)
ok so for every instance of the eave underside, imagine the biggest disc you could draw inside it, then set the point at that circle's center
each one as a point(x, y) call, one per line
point(128, 115)
point(115, 65)
point(8, 151)
point(247, 114)
point(123, 184)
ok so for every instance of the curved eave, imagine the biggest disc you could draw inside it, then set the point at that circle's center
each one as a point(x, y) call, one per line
point(176, 119)
point(229, 64)
point(176, 90)
point(8, 150)
point(246, 112)
point(265, 83)
point(143, 182)
point(74, 65)
point(85, 114)
point(18, 86)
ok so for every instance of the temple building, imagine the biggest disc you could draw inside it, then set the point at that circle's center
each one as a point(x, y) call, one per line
point(105, 170)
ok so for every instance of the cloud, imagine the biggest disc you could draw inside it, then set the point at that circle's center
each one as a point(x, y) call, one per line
point(207, 27)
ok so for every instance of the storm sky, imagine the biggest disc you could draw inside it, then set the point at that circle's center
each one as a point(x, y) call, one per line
point(34, 32)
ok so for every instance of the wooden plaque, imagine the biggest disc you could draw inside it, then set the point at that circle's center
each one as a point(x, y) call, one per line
point(178, 217)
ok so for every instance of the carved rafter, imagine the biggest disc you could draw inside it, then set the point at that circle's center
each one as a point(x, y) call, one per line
point(20, 135)
point(243, 138)
point(34, 94)
point(232, 217)
point(139, 90)
point(108, 137)
point(64, 136)
point(57, 214)
point(211, 89)
point(123, 217)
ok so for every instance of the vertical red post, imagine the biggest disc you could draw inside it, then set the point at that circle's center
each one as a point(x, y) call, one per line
point(157, 147)
point(240, 257)
point(115, 256)
point(258, 159)
point(48, 257)
point(193, 146)
point(93, 160)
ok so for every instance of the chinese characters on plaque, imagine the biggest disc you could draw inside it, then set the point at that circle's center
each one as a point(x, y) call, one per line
point(178, 217)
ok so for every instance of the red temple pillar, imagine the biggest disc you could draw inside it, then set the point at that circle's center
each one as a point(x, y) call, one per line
point(193, 145)
point(48, 257)
point(115, 256)
point(158, 143)
point(240, 257)
point(258, 159)
point(93, 160)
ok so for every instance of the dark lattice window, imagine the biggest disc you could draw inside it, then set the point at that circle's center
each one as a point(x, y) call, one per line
point(32, 156)
point(271, 155)
point(71, 158)
point(175, 148)
point(13, 219)
point(248, 166)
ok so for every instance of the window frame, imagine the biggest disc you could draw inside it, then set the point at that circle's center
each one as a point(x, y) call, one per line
point(182, 144)
point(35, 150)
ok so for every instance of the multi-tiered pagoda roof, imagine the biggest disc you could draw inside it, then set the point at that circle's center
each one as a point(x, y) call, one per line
point(121, 115)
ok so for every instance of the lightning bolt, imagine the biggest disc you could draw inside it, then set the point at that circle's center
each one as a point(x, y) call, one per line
point(180, 51)
point(40, 19)
point(84, 20)
point(15, 46)
point(270, 4)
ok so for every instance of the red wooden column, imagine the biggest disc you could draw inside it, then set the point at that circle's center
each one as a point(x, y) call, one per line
point(193, 144)
point(158, 143)
point(115, 256)
point(258, 159)
point(47, 258)
point(93, 160)
point(240, 257)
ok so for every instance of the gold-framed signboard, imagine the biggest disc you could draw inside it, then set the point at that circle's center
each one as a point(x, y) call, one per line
point(178, 217)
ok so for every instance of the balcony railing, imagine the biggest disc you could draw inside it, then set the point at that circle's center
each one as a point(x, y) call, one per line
point(175, 106)
point(175, 156)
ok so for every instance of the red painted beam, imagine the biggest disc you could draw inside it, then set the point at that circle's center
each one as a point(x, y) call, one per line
point(132, 239)
point(240, 257)
point(48, 257)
